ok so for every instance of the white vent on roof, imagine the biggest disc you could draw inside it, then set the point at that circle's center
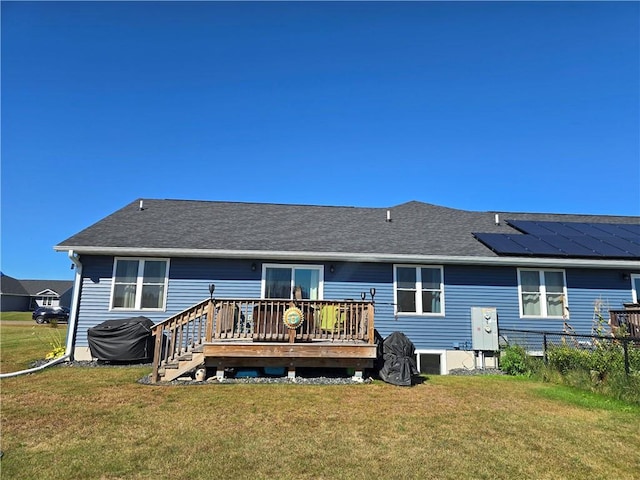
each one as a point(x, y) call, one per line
point(388, 215)
point(497, 219)
point(141, 207)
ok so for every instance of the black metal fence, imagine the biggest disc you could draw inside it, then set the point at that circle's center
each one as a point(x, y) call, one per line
point(538, 343)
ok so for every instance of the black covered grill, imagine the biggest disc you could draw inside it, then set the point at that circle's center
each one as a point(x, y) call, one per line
point(122, 340)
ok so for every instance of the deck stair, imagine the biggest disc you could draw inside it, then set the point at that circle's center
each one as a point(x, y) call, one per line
point(179, 341)
point(182, 365)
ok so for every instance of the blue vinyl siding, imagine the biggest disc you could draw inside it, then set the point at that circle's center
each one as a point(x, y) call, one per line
point(586, 286)
point(350, 280)
point(189, 281)
point(465, 287)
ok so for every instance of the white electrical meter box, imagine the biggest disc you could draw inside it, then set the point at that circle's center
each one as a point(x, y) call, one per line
point(484, 325)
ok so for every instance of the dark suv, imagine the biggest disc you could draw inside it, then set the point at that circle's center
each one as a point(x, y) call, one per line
point(46, 314)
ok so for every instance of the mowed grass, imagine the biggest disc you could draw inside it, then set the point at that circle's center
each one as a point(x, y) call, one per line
point(99, 423)
point(21, 345)
point(16, 316)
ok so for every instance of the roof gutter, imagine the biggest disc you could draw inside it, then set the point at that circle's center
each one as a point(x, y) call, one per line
point(361, 257)
point(68, 353)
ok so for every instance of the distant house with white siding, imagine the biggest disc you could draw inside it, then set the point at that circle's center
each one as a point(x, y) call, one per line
point(25, 295)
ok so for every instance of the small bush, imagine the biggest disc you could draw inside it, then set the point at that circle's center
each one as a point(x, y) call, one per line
point(515, 361)
point(565, 359)
point(600, 369)
point(604, 358)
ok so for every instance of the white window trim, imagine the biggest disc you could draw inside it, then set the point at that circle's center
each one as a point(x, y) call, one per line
point(293, 266)
point(634, 293)
point(419, 312)
point(139, 283)
point(443, 359)
point(543, 294)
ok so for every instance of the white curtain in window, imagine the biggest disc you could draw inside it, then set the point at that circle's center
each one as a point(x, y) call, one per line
point(530, 284)
point(554, 284)
point(124, 295)
point(129, 296)
point(153, 283)
point(531, 303)
point(431, 282)
point(430, 302)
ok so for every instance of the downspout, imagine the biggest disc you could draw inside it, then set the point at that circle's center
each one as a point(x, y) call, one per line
point(71, 328)
point(75, 304)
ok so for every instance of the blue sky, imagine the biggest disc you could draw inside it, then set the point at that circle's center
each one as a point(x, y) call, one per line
point(510, 106)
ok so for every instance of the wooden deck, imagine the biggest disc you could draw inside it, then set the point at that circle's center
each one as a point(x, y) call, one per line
point(626, 322)
point(223, 333)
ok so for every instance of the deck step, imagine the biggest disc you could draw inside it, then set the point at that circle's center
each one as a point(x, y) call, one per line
point(174, 370)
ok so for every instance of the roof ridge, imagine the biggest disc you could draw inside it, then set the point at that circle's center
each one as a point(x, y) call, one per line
point(234, 202)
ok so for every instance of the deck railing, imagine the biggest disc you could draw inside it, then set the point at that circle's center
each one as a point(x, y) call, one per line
point(180, 335)
point(259, 320)
point(627, 319)
point(262, 320)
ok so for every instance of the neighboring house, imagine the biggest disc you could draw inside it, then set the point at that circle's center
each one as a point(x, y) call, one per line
point(25, 295)
point(429, 265)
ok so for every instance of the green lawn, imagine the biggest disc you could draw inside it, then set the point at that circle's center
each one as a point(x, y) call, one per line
point(20, 345)
point(99, 423)
point(16, 316)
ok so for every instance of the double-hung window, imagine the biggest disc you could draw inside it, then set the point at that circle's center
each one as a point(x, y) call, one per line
point(280, 281)
point(139, 284)
point(543, 293)
point(419, 290)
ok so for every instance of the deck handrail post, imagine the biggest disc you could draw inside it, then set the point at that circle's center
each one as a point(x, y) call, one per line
point(156, 353)
point(370, 324)
point(209, 327)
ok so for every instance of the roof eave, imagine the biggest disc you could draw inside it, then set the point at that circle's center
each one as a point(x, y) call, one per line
point(372, 257)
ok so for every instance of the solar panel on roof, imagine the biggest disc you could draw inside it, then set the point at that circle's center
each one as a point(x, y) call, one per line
point(537, 245)
point(623, 244)
point(570, 239)
point(597, 246)
point(501, 244)
point(568, 245)
point(572, 228)
point(560, 228)
point(633, 229)
point(597, 231)
point(624, 231)
point(528, 226)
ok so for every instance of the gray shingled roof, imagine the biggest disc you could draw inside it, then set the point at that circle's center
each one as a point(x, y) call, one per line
point(13, 286)
point(34, 287)
point(415, 228)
